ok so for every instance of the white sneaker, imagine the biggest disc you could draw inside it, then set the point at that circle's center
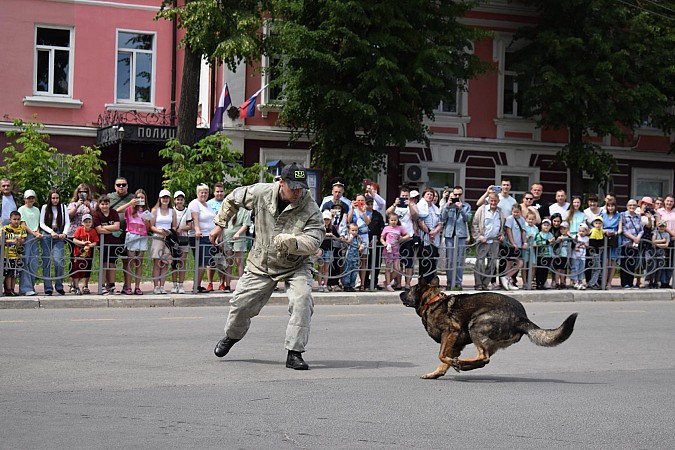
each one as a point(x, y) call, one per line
point(181, 289)
point(161, 290)
point(174, 289)
point(389, 288)
point(156, 290)
point(512, 287)
point(506, 283)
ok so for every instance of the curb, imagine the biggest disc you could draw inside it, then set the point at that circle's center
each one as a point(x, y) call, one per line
point(327, 298)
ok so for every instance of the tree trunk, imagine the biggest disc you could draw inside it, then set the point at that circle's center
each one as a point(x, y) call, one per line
point(575, 165)
point(189, 98)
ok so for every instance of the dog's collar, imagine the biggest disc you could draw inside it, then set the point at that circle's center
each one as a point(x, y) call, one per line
point(424, 308)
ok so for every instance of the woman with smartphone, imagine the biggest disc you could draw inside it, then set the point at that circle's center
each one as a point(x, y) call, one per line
point(82, 202)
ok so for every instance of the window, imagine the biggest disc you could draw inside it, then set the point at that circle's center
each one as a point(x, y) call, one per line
point(514, 87)
point(135, 64)
point(53, 61)
point(651, 182)
point(271, 97)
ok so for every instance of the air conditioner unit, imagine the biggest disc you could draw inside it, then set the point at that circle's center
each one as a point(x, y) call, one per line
point(415, 173)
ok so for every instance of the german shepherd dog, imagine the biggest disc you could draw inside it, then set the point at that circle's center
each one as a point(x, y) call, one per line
point(491, 321)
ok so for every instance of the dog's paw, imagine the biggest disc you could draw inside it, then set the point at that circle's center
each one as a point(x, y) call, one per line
point(432, 376)
point(456, 365)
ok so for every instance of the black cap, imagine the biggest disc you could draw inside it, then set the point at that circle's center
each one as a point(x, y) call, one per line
point(295, 176)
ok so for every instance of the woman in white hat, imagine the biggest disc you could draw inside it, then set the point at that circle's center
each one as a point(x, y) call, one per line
point(163, 220)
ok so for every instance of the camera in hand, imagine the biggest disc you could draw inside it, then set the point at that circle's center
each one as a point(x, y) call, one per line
point(454, 199)
point(496, 188)
point(140, 201)
point(83, 195)
point(401, 201)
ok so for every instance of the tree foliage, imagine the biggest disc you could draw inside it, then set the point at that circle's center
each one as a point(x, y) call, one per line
point(597, 66)
point(31, 163)
point(218, 31)
point(360, 76)
point(209, 161)
point(221, 31)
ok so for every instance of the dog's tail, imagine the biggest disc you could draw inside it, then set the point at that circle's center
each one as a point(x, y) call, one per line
point(553, 337)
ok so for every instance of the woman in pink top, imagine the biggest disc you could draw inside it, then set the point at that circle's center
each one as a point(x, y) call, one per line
point(138, 219)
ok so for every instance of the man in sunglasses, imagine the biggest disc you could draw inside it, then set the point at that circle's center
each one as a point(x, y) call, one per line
point(120, 200)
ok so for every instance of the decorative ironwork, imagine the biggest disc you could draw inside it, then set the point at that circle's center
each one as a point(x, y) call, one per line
point(113, 117)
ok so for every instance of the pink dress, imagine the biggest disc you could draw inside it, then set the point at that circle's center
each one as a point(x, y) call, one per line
point(391, 236)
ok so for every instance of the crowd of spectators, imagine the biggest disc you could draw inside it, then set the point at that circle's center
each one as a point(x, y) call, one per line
point(515, 241)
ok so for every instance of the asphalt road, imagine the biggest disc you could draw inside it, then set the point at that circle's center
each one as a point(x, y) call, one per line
point(147, 378)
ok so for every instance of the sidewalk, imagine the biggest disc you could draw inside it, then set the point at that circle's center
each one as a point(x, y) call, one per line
point(219, 298)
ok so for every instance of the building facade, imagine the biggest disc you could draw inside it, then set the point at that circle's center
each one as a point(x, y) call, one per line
point(97, 65)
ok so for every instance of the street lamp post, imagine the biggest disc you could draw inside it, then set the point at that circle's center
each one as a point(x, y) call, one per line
point(120, 137)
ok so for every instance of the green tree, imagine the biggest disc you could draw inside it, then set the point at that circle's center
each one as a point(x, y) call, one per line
point(220, 32)
point(31, 163)
point(360, 76)
point(209, 161)
point(597, 66)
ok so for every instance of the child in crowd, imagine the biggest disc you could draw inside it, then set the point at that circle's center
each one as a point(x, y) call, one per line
point(579, 257)
point(355, 247)
point(596, 242)
point(107, 224)
point(15, 235)
point(660, 240)
point(326, 257)
point(85, 240)
point(391, 238)
point(562, 250)
point(529, 254)
point(543, 240)
point(516, 243)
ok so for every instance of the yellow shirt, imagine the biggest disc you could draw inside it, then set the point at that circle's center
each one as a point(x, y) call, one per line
point(596, 234)
point(13, 250)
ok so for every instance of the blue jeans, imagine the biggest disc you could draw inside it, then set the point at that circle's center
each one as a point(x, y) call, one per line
point(351, 270)
point(30, 264)
point(458, 266)
point(52, 251)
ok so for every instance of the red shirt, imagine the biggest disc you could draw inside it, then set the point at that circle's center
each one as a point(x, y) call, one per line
point(83, 235)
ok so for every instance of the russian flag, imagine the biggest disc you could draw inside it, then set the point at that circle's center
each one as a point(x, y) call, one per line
point(247, 109)
point(223, 103)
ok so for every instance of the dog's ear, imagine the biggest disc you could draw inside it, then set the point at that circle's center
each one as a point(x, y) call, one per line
point(421, 282)
point(435, 282)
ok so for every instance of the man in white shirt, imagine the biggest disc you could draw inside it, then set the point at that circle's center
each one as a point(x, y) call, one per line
point(487, 230)
point(561, 205)
point(9, 203)
point(506, 200)
point(215, 204)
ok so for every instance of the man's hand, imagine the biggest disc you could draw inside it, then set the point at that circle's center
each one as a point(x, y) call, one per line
point(216, 235)
point(286, 243)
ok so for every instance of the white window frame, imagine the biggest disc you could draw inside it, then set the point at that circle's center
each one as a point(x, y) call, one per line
point(51, 49)
point(132, 88)
point(266, 102)
point(664, 176)
point(461, 102)
point(503, 44)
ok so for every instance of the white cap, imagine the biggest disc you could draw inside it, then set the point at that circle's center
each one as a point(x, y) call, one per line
point(178, 194)
point(327, 214)
point(164, 193)
point(29, 193)
point(414, 194)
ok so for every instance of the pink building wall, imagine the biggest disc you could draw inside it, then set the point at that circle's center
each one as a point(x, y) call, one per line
point(94, 55)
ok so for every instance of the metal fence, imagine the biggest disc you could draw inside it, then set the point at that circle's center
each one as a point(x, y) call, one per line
point(646, 260)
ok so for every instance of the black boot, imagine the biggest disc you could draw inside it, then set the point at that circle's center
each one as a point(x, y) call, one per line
point(223, 346)
point(295, 361)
